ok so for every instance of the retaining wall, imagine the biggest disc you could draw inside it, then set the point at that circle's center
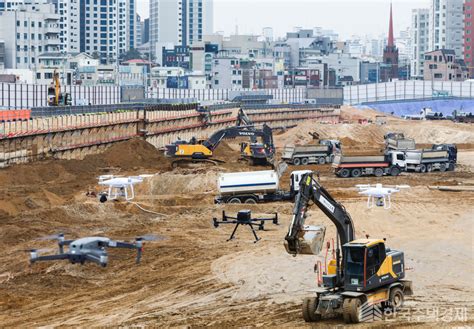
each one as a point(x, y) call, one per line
point(74, 136)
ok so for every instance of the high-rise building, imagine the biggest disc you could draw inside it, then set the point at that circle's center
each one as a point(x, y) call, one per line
point(390, 54)
point(145, 30)
point(179, 22)
point(420, 25)
point(102, 28)
point(446, 25)
point(138, 31)
point(29, 32)
point(469, 36)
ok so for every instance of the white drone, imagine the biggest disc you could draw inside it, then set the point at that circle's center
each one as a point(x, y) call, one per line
point(378, 195)
point(119, 186)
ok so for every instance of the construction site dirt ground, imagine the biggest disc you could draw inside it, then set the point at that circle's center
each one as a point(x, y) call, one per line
point(193, 276)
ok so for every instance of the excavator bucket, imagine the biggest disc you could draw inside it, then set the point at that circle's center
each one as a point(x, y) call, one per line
point(310, 240)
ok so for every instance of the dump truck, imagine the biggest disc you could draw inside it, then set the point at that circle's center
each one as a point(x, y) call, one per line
point(256, 187)
point(427, 160)
point(398, 141)
point(391, 163)
point(309, 154)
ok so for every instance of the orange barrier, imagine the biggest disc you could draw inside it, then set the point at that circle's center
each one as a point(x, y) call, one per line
point(13, 115)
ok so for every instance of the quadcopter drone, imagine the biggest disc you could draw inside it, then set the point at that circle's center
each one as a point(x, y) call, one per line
point(89, 249)
point(379, 195)
point(244, 217)
point(119, 186)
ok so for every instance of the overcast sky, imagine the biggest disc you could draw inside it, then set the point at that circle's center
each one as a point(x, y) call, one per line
point(347, 17)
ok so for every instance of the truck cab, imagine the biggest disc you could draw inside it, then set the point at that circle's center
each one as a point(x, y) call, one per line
point(295, 179)
point(397, 158)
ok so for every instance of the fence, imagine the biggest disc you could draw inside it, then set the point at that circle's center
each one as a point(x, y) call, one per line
point(285, 95)
point(407, 90)
point(26, 96)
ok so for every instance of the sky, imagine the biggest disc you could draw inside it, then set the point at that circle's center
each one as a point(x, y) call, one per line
point(346, 17)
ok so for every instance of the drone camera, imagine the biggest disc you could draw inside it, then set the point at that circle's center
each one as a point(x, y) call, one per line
point(103, 197)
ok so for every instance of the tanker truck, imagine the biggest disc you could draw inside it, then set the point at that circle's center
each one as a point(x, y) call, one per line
point(256, 187)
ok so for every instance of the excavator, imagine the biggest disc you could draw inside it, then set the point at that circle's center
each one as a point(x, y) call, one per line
point(55, 96)
point(366, 276)
point(255, 152)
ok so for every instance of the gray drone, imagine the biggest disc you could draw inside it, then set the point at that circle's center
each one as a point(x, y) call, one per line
point(89, 249)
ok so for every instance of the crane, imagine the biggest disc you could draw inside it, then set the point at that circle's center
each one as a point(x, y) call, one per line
point(366, 273)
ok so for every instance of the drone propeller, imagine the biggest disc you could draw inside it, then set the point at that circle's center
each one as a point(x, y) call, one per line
point(402, 186)
point(37, 250)
point(58, 236)
point(148, 237)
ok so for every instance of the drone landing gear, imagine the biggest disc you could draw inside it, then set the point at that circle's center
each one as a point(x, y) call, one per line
point(244, 217)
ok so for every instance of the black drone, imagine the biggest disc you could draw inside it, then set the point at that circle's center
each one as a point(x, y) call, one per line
point(89, 249)
point(244, 217)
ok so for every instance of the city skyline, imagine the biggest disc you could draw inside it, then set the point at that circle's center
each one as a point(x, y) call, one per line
point(229, 14)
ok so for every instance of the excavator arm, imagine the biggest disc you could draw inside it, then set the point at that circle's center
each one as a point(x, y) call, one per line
point(311, 190)
point(231, 132)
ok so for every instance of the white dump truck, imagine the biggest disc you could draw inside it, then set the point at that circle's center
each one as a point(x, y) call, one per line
point(427, 160)
point(256, 187)
point(321, 153)
point(392, 163)
point(398, 141)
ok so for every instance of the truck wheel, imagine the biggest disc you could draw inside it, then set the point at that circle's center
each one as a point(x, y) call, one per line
point(322, 160)
point(355, 313)
point(429, 168)
point(346, 310)
point(451, 167)
point(356, 172)
point(396, 298)
point(250, 201)
point(378, 172)
point(344, 173)
point(235, 200)
point(310, 304)
point(296, 161)
point(422, 168)
point(442, 167)
point(304, 161)
point(394, 171)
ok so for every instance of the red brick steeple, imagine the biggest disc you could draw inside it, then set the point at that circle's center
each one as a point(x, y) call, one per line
point(390, 55)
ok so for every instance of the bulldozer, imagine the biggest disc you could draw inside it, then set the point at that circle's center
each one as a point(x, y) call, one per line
point(55, 96)
point(366, 274)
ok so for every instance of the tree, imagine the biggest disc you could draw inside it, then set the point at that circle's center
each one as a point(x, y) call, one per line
point(131, 54)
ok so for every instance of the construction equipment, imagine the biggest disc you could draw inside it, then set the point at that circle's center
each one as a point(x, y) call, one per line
point(391, 163)
point(398, 141)
point(368, 273)
point(255, 187)
point(244, 217)
point(427, 160)
point(308, 154)
point(55, 96)
point(256, 153)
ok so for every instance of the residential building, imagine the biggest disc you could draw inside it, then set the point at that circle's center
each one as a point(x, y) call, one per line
point(446, 25)
point(304, 43)
point(138, 32)
point(442, 65)
point(250, 46)
point(29, 32)
point(179, 22)
point(2, 55)
point(103, 28)
point(145, 29)
point(469, 36)
point(420, 40)
point(390, 55)
point(344, 65)
point(226, 72)
point(48, 63)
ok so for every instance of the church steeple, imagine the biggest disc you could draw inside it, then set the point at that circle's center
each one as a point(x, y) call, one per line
point(391, 42)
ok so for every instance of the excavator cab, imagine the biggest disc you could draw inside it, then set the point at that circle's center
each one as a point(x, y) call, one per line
point(369, 265)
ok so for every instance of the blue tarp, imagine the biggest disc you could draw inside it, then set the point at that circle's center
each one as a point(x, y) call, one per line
point(445, 106)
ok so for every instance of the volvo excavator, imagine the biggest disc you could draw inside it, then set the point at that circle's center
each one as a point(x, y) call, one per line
point(366, 276)
point(202, 151)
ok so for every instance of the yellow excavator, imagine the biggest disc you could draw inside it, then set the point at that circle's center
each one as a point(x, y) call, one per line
point(255, 152)
point(368, 277)
point(55, 96)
